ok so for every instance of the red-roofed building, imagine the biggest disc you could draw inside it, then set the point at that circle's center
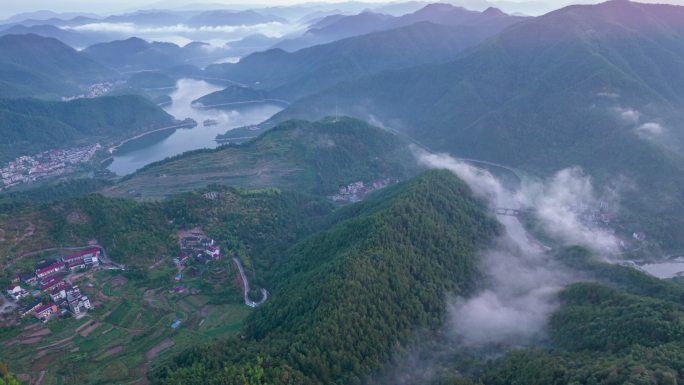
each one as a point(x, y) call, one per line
point(88, 257)
point(76, 265)
point(45, 311)
point(51, 283)
point(213, 251)
point(58, 293)
point(50, 270)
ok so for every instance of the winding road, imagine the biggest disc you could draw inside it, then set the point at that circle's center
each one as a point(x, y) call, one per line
point(245, 282)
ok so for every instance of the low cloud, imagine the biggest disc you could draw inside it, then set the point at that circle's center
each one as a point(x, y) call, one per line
point(229, 32)
point(650, 128)
point(627, 115)
point(521, 279)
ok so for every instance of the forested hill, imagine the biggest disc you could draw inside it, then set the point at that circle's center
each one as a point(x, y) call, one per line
point(293, 75)
point(312, 157)
point(596, 86)
point(627, 329)
point(29, 126)
point(36, 66)
point(347, 300)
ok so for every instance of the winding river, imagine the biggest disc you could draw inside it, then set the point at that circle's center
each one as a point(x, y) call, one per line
point(163, 144)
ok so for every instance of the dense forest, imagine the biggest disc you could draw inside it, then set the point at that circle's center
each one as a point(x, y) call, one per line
point(328, 323)
point(544, 95)
point(355, 290)
point(349, 299)
point(29, 126)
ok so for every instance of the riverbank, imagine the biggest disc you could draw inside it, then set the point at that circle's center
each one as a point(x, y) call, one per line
point(187, 123)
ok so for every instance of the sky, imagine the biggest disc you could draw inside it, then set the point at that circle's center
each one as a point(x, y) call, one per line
point(9, 8)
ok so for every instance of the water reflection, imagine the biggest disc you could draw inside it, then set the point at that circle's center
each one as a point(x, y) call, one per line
point(154, 147)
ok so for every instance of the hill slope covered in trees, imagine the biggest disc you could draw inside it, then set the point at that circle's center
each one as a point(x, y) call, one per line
point(595, 86)
point(346, 300)
point(311, 157)
point(29, 126)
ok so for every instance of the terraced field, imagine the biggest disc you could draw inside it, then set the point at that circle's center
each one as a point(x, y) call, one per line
point(128, 332)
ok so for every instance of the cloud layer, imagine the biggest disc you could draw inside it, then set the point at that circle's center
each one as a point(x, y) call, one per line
point(521, 279)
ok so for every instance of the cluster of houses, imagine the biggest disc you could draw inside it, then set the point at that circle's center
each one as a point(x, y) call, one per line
point(30, 168)
point(51, 293)
point(201, 248)
point(357, 191)
point(94, 91)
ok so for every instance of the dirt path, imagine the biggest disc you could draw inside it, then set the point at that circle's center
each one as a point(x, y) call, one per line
point(56, 344)
point(113, 351)
point(40, 378)
point(31, 341)
point(39, 333)
point(89, 329)
point(152, 353)
point(85, 325)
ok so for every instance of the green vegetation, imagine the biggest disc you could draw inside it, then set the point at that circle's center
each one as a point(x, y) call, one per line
point(626, 330)
point(293, 75)
point(232, 94)
point(256, 224)
point(348, 300)
point(120, 340)
point(53, 192)
point(29, 126)
point(310, 157)
point(6, 377)
point(544, 95)
point(36, 66)
point(130, 326)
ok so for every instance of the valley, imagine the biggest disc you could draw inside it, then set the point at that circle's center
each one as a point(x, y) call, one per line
point(459, 193)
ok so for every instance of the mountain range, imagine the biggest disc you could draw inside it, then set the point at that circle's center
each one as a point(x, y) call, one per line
point(597, 86)
point(336, 27)
point(31, 65)
point(290, 76)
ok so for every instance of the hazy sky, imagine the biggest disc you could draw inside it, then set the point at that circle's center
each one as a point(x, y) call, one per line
point(11, 7)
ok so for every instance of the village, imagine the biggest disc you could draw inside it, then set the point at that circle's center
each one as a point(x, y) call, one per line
point(47, 291)
point(63, 303)
point(31, 168)
point(94, 91)
point(357, 191)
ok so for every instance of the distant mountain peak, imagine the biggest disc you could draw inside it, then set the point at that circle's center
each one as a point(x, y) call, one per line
point(496, 12)
point(439, 7)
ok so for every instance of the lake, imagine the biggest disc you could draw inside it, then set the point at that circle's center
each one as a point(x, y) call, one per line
point(666, 269)
point(160, 145)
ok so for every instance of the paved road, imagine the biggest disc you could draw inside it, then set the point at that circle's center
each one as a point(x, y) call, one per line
point(249, 302)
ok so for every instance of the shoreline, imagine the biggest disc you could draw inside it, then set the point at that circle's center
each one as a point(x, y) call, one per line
point(186, 124)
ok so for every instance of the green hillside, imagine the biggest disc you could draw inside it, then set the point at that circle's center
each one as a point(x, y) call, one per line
point(135, 306)
point(290, 76)
point(36, 66)
point(549, 93)
point(311, 157)
point(29, 126)
point(628, 329)
point(232, 94)
point(262, 222)
point(347, 300)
